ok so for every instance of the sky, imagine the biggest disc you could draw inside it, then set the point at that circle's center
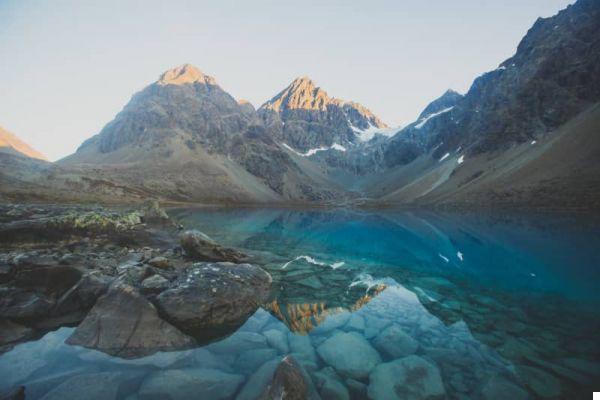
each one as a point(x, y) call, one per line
point(67, 67)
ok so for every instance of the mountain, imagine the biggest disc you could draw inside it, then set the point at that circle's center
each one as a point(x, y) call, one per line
point(307, 120)
point(10, 143)
point(185, 138)
point(510, 120)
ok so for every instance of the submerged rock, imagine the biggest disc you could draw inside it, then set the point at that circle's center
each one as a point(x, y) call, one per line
point(541, 383)
point(235, 290)
point(407, 378)
point(190, 383)
point(350, 354)
point(498, 388)
point(124, 324)
point(96, 386)
point(395, 343)
point(200, 247)
point(288, 382)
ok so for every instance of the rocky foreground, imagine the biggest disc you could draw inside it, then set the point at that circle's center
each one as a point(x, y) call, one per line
point(132, 281)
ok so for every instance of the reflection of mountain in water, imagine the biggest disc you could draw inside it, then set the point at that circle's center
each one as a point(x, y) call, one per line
point(303, 317)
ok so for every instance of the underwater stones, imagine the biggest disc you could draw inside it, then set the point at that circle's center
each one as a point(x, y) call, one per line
point(15, 394)
point(200, 247)
point(395, 343)
point(374, 325)
point(356, 322)
point(249, 360)
point(123, 323)
point(96, 386)
point(278, 340)
point(160, 262)
point(329, 385)
point(238, 342)
point(350, 354)
point(541, 383)
point(236, 290)
point(258, 381)
point(289, 382)
point(189, 383)
point(407, 378)
point(312, 282)
point(498, 388)
point(332, 321)
point(302, 347)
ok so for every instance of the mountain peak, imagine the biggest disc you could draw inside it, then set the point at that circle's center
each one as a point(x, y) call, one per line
point(9, 141)
point(302, 93)
point(185, 74)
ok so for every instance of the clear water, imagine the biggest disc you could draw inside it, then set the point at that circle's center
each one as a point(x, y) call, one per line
point(380, 305)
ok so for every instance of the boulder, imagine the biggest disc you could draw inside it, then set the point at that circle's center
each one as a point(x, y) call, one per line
point(258, 381)
point(23, 305)
point(235, 290)
point(238, 342)
point(302, 347)
point(15, 394)
point(278, 340)
point(350, 354)
point(97, 386)
point(250, 360)
point(151, 212)
point(11, 332)
point(189, 383)
point(498, 388)
point(541, 383)
point(154, 284)
point(407, 378)
point(200, 247)
point(288, 382)
point(83, 295)
point(124, 324)
point(330, 385)
point(394, 343)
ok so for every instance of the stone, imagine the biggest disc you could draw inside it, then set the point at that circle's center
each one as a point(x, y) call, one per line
point(395, 343)
point(374, 325)
point(356, 323)
point(357, 389)
point(236, 290)
point(277, 340)
point(15, 394)
point(330, 386)
point(160, 263)
point(154, 284)
point(407, 378)
point(332, 321)
point(258, 381)
point(302, 347)
point(83, 295)
point(238, 342)
point(541, 383)
point(498, 388)
point(124, 324)
point(189, 383)
point(96, 386)
point(288, 382)
point(350, 354)
point(12, 332)
point(249, 360)
point(200, 247)
point(23, 305)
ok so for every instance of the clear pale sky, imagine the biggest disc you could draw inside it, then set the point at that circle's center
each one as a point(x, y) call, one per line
point(67, 67)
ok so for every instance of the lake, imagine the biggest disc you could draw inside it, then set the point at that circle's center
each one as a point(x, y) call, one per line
point(377, 304)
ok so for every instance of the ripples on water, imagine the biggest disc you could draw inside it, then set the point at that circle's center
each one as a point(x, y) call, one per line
point(377, 305)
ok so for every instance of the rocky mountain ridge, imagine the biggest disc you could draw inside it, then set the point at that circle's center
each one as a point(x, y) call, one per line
point(184, 138)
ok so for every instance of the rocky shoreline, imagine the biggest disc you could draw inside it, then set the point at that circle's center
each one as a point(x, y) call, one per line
point(131, 281)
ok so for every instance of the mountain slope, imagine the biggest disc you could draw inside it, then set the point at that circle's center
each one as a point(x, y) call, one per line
point(553, 78)
point(9, 142)
point(199, 143)
point(307, 119)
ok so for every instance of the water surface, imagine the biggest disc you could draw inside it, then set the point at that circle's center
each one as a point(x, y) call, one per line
point(379, 305)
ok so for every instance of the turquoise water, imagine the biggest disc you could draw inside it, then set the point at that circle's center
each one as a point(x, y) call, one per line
point(380, 305)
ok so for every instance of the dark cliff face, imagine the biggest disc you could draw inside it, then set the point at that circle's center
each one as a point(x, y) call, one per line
point(304, 117)
point(554, 75)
